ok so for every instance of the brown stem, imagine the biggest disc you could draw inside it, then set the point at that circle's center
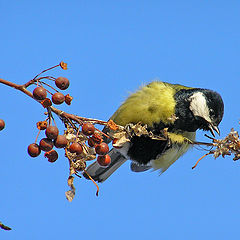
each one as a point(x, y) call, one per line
point(202, 143)
point(19, 87)
point(45, 71)
point(201, 159)
point(59, 112)
point(49, 86)
point(92, 181)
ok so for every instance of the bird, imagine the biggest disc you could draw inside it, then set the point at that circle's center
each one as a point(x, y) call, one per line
point(160, 105)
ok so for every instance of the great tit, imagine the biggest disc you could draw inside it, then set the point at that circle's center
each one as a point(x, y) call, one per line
point(160, 105)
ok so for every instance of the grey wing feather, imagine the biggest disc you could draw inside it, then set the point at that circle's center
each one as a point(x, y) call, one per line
point(135, 167)
point(99, 173)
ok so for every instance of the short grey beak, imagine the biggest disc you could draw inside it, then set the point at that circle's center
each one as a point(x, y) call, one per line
point(213, 128)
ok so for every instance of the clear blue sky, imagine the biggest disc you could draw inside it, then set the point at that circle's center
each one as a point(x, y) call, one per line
point(112, 47)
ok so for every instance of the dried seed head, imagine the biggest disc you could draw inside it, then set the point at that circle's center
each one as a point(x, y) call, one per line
point(79, 165)
point(42, 125)
point(46, 103)
point(63, 65)
point(68, 99)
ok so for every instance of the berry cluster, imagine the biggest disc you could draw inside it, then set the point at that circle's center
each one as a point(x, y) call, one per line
point(81, 140)
point(86, 144)
point(79, 146)
point(40, 93)
point(46, 144)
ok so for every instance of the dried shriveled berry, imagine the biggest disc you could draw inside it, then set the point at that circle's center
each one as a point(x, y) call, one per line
point(112, 125)
point(102, 148)
point(61, 141)
point(104, 160)
point(52, 132)
point(62, 83)
point(88, 129)
point(63, 65)
point(68, 99)
point(46, 144)
point(46, 103)
point(2, 124)
point(51, 155)
point(42, 125)
point(39, 93)
point(91, 142)
point(34, 150)
point(97, 138)
point(58, 98)
point(76, 148)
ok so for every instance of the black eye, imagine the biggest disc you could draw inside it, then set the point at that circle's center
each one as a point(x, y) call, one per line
point(211, 111)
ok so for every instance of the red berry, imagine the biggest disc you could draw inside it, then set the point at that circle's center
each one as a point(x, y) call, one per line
point(88, 129)
point(2, 124)
point(52, 132)
point(104, 160)
point(102, 148)
point(46, 144)
point(39, 93)
point(62, 83)
point(34, 150)
point(76, 148)
point(51, 155)
point(58, 98)
point(61, 141)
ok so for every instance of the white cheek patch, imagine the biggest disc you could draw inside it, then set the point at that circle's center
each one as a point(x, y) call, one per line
point(198, 106)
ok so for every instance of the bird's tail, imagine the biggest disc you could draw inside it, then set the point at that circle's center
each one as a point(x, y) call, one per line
point(99, 173)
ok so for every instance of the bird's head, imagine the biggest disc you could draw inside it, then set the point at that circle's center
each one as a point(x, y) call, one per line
point(207, 108)
point(198, 108)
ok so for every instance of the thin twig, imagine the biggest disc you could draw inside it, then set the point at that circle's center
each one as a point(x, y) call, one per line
point(92, 181)
point(103, 133)
point(49, 86)
point(45, 71)
point(201, 159)
point(37, 136)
